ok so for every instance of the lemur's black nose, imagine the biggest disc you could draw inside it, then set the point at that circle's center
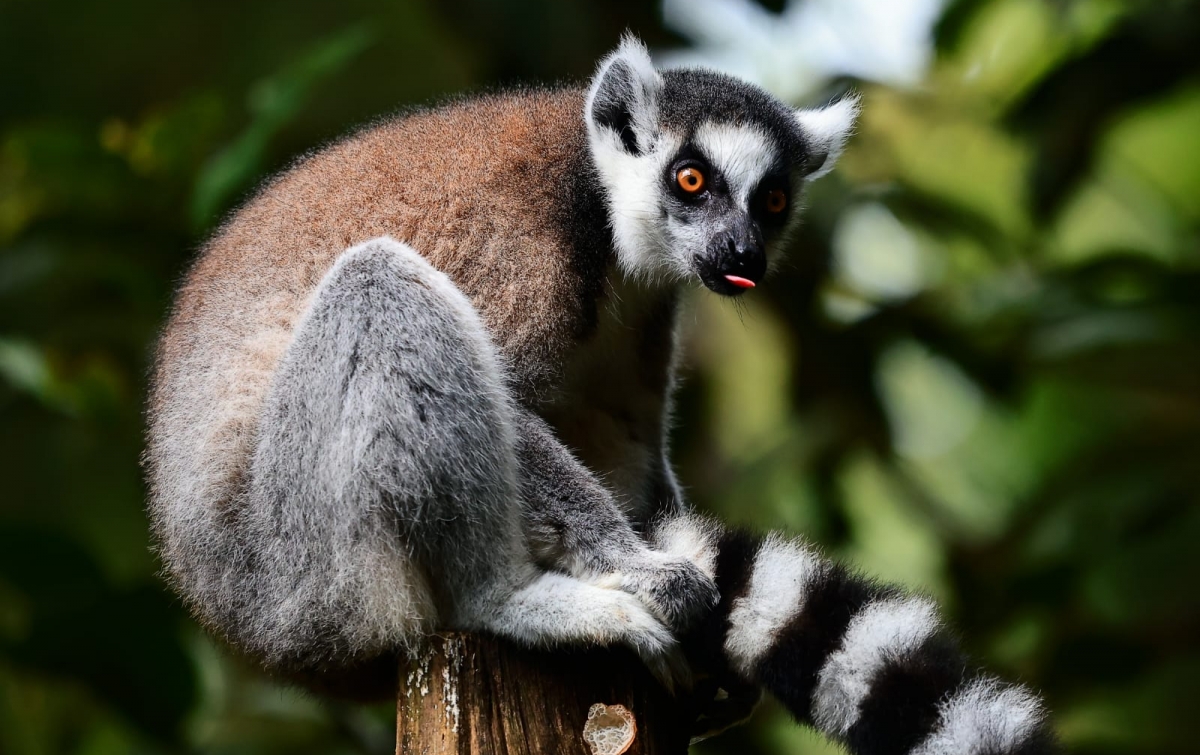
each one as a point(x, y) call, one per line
point(736, 258)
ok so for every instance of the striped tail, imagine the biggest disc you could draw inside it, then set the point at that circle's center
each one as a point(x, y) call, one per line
point(867, 665)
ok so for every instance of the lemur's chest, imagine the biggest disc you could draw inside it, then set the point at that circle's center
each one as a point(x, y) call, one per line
point(615, 392)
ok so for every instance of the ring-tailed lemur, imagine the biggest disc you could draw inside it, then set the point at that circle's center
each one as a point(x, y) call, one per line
point(420, 381)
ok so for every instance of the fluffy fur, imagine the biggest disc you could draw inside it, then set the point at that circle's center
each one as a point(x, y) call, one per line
point(421, 381)
point(828, 129)
point(865, 664)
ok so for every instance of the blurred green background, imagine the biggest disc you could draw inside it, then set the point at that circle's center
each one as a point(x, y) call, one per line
point(978, 372)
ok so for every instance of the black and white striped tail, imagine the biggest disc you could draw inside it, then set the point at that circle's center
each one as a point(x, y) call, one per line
point(868, 665)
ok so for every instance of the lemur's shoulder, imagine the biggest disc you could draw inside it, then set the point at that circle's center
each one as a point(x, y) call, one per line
point(497, 191)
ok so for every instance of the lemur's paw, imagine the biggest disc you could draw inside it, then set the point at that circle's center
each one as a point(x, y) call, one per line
point(670, 668)
point(654, 644)
point(673, 588)
point(721, 703)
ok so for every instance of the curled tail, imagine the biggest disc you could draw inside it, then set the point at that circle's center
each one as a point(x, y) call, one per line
point(868, 665)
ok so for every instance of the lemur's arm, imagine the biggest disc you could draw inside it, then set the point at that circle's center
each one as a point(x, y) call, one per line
point(866, 664)
point(573, 523)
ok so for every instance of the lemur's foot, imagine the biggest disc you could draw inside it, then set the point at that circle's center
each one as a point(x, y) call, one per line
point(653, 642)
point(672, 587)
point(720, 704)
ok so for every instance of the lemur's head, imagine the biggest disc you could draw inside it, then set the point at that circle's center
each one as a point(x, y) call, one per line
point(703, 172)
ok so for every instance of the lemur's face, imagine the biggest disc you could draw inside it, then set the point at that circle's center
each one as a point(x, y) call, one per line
point(703, 173)
point(725, 197)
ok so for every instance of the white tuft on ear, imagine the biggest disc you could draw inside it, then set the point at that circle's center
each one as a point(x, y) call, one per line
point(827, 130)
point(622, 101)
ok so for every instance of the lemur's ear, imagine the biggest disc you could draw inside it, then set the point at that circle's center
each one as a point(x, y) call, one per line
point(827, 130)
point(622, 102)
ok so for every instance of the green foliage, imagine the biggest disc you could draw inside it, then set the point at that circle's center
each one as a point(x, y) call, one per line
point(273, 103)
point(977, 373)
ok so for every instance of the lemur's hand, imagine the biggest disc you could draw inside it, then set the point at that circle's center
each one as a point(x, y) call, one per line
point(672, 587)
point(631, 622)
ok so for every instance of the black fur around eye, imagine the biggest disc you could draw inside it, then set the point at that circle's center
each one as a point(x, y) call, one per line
point(771, 202)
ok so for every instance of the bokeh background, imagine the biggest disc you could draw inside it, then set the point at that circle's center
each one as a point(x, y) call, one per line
point(978, 373)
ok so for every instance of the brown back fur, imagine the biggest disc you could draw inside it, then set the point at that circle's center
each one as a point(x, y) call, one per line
point(497, 192)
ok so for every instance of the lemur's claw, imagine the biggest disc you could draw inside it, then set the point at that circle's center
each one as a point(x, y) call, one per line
point(652, 641)
point(671, 669)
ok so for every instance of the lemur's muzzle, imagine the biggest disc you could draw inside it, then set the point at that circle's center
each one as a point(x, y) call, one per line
point(735, 259)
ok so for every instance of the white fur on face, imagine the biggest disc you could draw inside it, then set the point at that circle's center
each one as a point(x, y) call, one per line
point(743, 155)
point(633, 184)
point(651, 243)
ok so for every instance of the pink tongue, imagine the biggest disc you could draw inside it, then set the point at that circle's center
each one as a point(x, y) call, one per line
point(740, 282)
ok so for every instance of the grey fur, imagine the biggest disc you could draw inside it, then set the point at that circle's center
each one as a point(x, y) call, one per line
point(574, 524)
point(377, 472)
point(382, 498)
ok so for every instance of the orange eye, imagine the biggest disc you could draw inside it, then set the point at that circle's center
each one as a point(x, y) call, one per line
point(690, 180)
point(776, 201)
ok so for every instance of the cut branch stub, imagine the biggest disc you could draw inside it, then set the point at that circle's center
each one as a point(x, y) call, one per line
point(609, 729)
point(471, 695)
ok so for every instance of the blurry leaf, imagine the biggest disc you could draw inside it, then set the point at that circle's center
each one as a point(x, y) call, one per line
point(273, 103)
point(1016, 646)
point(25, 368)
point(1070, 109)
point(877, 255)
point(780, 734)
point(170, 142)
point(25, 268)
point(932, 405)
point(891, 540)
point(1149, 582)
point(1159, 145)
point(1114, 211)
point(1004, 48)
point(1154, 716)
point(58, 169)
point(746, 353)
point(123, 644)
point(948, 32)
point(966, 164)
point(91, 387)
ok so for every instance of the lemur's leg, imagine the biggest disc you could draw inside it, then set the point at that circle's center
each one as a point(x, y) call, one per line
point(384, 484)
point(868, 665)
point(574, 524)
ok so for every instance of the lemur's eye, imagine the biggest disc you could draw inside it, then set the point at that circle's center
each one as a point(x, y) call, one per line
point(690, 180)
point(776, 201)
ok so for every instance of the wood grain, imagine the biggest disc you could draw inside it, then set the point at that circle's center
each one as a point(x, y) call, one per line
point(473, 695)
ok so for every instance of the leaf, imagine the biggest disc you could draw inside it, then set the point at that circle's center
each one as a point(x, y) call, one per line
point(1071, 109)
point(273, 102)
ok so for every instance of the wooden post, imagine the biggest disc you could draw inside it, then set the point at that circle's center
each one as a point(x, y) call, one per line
point(473, 695)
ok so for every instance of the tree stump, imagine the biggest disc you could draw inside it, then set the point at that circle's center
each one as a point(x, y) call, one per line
point(473, 695)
